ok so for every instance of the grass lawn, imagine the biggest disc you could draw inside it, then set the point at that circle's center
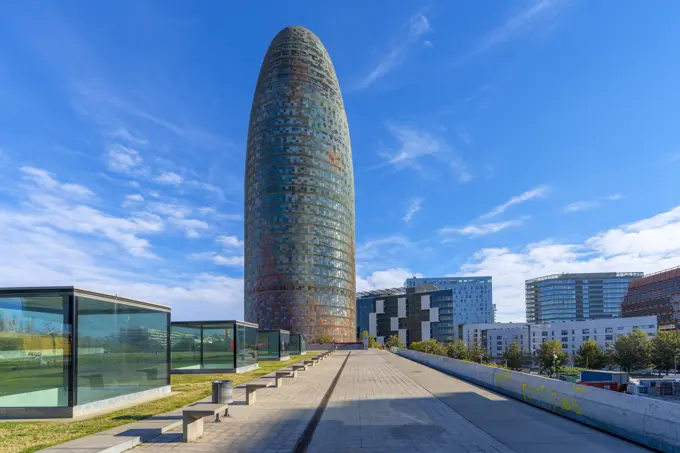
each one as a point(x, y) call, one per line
point(26, 437)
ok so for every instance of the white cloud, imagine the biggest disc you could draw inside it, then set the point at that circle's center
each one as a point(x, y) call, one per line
point(218, 259)
point(383, 247)
point(413, 207)
point(123, 134)
point(191, 227)
point(581, 206)
point(481, 229)
point(122, 159)
point(134, 197)
point(49, 203)
point(169, 178)
point(416, 146)
point(418, 26)
point(45, 180)
point(536, 16)
point(390, 278)
point(647, 245)
point(229, 260)
point(536, 192)
point(590, 204)
point(229, 241)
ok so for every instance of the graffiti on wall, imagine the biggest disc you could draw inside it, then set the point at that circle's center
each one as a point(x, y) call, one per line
point(539, 393)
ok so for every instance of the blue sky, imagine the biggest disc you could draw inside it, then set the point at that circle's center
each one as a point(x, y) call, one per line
point(513, 139)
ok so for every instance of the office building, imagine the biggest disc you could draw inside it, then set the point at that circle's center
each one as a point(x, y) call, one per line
point(299, 195)
point(495, 338)
point(213, 347)
point(576, 297)
point(68, 352)
point(472, 297)
point(657, 295)
point(414, 314)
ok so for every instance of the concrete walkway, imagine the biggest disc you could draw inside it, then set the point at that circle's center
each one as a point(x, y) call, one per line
point(386, 403)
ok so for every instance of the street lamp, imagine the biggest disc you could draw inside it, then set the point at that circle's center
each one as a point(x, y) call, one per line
point(554, 363)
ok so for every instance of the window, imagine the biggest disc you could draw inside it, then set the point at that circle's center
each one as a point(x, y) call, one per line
point(608, 330)
point(609, 337)
point(565, 332)
point(122, 349)
point(586, 338)
point(544, 334)
point(585, 331)
point(247, 346)
point(621, 328)
point(35, 342)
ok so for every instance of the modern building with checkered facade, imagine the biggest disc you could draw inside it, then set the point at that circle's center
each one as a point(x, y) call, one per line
point(299, 195)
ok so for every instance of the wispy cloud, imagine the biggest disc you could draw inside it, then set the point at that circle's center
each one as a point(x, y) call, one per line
point(169, 178)
point(122, 159)
point(590, 204)
point(536, 192)
point(417, 145)
point(413, 207)
point(229, 242)
point(417, 27)
point(480, 229)
point(227, 257)
point(531, 18)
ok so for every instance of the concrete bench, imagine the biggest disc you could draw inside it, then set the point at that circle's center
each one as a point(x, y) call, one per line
point(192, 419)
point(309, 362)
point(299, 367)
point(251, 389)
point(282, 374)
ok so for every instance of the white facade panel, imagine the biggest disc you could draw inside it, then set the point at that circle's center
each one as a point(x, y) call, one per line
point(425, 302)
point(372, 324)
point(434, 314)
point(401, 307)
point(394, 323)
point(402, 335)
point(425, 325)
point(380, 306)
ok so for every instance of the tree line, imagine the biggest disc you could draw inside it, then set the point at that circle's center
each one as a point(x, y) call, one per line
point(633, 351)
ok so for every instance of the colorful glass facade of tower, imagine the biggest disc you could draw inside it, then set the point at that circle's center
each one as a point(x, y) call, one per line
point(299, 195)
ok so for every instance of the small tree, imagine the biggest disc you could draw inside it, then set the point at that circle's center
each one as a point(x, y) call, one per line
point(477, 353)
point(365, 334)
point(631, 352)
point(551, 356)
point(665, 350)
point(324, 339)
point(513, 356)
point(430, 346)
point(393, 341)
point(590, 356)
point(457, 350)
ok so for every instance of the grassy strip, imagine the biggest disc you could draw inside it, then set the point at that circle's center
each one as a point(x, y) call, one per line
point(27, 437)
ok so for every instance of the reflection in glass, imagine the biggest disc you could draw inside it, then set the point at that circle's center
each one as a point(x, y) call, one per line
point(186, 347)
point(122, 349)
point(35, 347)
point(247, 346)
point(268, 345)
point(298, 344)
point(284, 338)
point(218, 347)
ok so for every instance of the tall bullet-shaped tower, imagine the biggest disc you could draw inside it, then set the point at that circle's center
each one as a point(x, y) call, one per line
point(299, 195)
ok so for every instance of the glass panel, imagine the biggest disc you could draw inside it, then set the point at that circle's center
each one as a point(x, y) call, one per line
point(186, 347)
point(35, 347)
point(218, 346)
point(247, 346)
point(294, 345)
point(303, 344)
point(121, 349)
point(285, 341)
point(268, 345)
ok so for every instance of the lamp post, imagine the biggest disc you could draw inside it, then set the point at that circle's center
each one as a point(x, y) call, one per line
point(554, 364)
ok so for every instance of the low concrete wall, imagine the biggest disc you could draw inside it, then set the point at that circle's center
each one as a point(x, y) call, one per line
point(647, 421)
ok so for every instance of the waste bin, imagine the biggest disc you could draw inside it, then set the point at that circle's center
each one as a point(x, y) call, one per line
point(222, 392)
